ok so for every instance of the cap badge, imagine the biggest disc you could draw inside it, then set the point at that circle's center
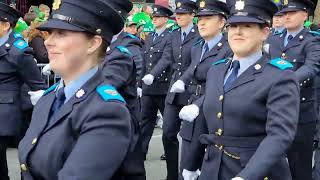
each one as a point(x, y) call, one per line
point(99, 31)
point(240, 5)
point(178, 4)
point(285, 2)
point(56, 4)
point(202, 4)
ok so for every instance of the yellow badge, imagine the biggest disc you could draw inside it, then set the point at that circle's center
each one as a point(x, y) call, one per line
point(285, 2)
point(56, 4)
point(178, 4)
point(111, 92)
point(240, 5)
point(202, 4)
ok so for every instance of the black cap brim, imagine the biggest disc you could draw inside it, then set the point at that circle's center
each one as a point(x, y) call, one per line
point(244, 19)
point(284, 10)
point(208, 13)
point(58, 24)
point(183, 11)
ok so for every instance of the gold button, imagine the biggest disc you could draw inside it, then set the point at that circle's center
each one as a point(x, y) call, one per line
point(221, 98)
point(34, 141)
point(23, 167)
point(219, 115)
point(266, 178)
point(283, 55)
point(219, 132)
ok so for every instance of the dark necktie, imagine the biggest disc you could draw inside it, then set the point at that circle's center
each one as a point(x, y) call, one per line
point(155, 36)
point(205, 49)
point(58, 102)
point(233, 76)
point(184, 35)
point(290, 37)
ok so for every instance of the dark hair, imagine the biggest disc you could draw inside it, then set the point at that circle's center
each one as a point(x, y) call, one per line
point(102, 49)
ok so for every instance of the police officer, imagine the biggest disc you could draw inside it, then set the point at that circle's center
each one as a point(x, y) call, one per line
point(302, 48)
point(277, 22)
point(154, 88)
point(251, 103)
point(119, 69)
point(211, 47)
point(17, 66)
point(81, 128)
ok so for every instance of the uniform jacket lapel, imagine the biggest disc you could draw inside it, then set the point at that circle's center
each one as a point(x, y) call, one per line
point(191, 35)
point(296, 41)
point(215, 50)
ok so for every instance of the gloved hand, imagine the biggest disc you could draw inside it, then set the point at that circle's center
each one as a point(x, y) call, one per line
point(148, 79)
point(237, 178)
point(189, 113)
point(190, 175)
point(139, 92)
point(35, 96)
point(178, 87)
point(46, 70)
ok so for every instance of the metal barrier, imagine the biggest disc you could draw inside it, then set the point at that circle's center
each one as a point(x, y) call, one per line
point(49, 79)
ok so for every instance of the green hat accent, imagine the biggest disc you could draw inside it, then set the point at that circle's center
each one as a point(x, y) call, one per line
point(141, 18)
point(40, 17)
point(148, 27)
point(21, 26)
point(307, 24)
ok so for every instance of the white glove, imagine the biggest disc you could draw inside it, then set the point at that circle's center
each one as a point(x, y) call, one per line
point(190, 175)
point(237, 178)
point(148, 79)
point(189, 113)
point(178, 87)
point(46, 70)
point(35, 96)
point(139, 92)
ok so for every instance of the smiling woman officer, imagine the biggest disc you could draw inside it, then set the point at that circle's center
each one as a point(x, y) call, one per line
point(81, 127)
point(251, 103)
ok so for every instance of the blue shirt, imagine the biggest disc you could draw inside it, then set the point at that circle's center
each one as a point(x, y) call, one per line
point(211, 43)
point(245, 63)
point(187, 30)
point(160, 31)
point(74, 86)
point(294, 34)
point(5, 38)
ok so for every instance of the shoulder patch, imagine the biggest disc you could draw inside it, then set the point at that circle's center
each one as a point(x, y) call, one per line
point(17, 35)
point(20, 44)
point(220, 62)
point(315, 33)
point(281, 64)
point(108, 92)
point(53, 87)
point(132, 36)
point(124, 50)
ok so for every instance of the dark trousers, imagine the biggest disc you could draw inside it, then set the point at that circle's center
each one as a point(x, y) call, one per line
point(171, 127)
point(3, 158)
point(149, 108)
point(301, 151)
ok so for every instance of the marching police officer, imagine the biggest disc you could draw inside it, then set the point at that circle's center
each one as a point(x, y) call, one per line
point(251, 103)
point(154, 88)
point(17, 66)
point(81, 127)
point(121, 57)
point(302, 48)
point(277, 22)
point(179, 58)
point(211, 47)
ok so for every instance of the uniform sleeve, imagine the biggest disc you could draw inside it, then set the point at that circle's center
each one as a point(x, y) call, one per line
point(118, 69)
point(311, 66)
point(137, 58)
point(102, 145)
point(29, 72)
point(188, 74)
point(282, 119)
point(166, 58)
point(39, 50)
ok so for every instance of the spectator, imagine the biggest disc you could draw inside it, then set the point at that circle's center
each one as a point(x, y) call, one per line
point(46, 10)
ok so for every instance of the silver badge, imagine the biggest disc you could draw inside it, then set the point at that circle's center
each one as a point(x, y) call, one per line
point(240, 5)
point(80, 93)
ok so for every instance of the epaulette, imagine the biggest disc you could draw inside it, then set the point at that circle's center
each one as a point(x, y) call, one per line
point(131, 36)
point(124, 50)
point(53, 87)
point(315, 33)
point(109, 93)
point(20, 44)
point(281, 64)
point(17, 35)
point(200, 40)
point(220, 62)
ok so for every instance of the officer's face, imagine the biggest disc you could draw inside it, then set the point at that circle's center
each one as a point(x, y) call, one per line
point(70, 53)
point(184, 19)
point(294, 20)
point(210, 26)
point(4, 28)
point(246, 38)
point(277, 21)
point(159, 22)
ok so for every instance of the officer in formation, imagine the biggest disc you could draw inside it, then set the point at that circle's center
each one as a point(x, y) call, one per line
point(154, 88)
point(17, 66)
point(210, 47)
point(81, 127)
point(251, 103)
point(177, 56)
point(277, 22)
point(301, 47)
